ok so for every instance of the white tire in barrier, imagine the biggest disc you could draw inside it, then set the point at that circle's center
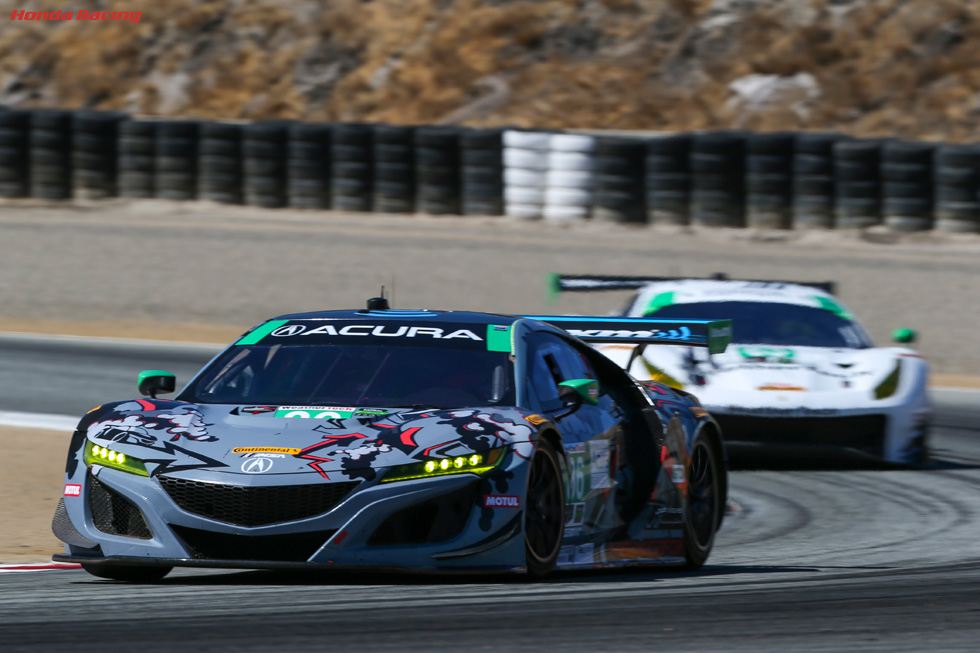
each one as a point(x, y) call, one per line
point(523, 211)
point(524, 194)
point(516, 157)
point(568, 179)
point(526, 140)
point(570, 161)
point(567, 196)
point(565, 212)
point(571, 143)
point(524, 177)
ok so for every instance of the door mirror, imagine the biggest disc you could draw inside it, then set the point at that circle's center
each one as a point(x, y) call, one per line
point(154, 382)
point(904, 336)
point(579, 391)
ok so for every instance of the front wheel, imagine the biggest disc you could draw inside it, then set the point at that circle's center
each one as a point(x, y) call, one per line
point(703, 512)
point(544, 511)
point(128, 573)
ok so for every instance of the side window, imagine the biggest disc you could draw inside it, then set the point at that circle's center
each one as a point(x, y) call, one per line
point(552, 360)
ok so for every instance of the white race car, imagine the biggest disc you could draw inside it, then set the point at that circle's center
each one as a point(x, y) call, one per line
point(800, 370)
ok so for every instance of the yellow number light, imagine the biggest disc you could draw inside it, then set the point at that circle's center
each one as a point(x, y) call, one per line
point(476, 463)
point(99, 455)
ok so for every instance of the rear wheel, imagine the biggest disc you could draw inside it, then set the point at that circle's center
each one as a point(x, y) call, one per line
point(544, 511)
point(703, 512)
point(128, 573)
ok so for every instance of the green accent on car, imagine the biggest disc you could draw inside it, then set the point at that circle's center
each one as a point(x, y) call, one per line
point(499, 337)
point(904, 336)
point(889, 386)
point(149, 383)
point(719, 336)
point(658, 301)
point(660, 376)
point(474, 463)
point(588, 389)
point(99, 455)
point(314, 412)
point(776, 354)
point(261, 331)
point(553, 283)
point(828, 304)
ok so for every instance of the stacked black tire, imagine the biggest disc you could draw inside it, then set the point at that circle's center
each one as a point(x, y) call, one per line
point(264, 156)
point(14, 153)
point(220, 166)
point(906, 185)
point(668, 179)
point(394, 169)
point(351, 167)
point(618, 185)
point(718, 179)
point(50, 156)
point(437, 170)
point(813, 180)
point(308, 165)
point(857, 183)
point(482, 158)
point(137, 158)
point(957, 188)
point(95, 153)
point(176, 159)
point(769, 180)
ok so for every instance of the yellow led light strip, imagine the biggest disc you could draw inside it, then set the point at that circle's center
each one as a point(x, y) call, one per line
point(477, 463)
point(96, 455)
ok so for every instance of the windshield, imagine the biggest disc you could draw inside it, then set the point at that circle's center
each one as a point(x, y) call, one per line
point(356, 375)
point(773, 323)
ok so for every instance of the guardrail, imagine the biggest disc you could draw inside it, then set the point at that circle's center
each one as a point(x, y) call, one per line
point(778, 180)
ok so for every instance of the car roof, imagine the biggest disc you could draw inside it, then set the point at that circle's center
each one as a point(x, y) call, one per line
point(391, 314)
point(686, 291)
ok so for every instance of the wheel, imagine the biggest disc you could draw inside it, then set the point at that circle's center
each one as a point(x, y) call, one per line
point(127, 573)
point(544, 511)
point(703, 511)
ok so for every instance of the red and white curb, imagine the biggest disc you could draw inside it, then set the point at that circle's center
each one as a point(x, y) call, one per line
point(37, 566)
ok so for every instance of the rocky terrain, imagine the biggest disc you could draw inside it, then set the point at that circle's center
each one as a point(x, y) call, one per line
point(869, 67)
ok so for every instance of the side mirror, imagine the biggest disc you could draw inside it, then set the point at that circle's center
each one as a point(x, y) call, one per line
point(154, 382)
point(579, 391)
point(904, 336)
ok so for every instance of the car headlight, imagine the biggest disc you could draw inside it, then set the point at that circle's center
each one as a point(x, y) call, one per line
point(96, 455)
point(889, 385)
point(474, 463)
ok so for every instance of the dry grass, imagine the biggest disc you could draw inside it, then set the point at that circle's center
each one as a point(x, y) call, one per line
point(903, 67)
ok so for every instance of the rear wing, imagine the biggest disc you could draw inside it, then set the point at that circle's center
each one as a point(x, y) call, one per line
point(713, 334)
point(558, 283)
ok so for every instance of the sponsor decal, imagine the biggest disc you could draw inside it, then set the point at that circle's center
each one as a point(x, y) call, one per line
point(289, 330)
point(720, 332)
point(574, 514)
point(257, 465)
point(377, 330)
point(762, 353)
point(285, 450)
point(577, 554)
point(677, 475)
point(683, 333)
point(127, 16)
point(536, 419)
point(263, 455)
point(73, 490)
point(501, 501)
point(315, 412)
point(599, 464)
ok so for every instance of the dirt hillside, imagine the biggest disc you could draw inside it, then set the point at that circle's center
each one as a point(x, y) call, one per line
point(896, 67)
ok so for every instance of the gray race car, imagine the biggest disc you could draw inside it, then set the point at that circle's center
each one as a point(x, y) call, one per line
point(401, 440)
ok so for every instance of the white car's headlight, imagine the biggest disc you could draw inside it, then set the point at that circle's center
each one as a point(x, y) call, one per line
point(889, 385)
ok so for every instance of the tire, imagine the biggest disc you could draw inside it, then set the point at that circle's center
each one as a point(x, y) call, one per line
point(128, 573)
point(544, 511)
point(703, 508)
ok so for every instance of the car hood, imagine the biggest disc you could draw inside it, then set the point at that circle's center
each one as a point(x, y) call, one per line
point(335, 443)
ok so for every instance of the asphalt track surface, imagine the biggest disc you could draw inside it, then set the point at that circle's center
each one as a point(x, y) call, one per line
point(814, 559)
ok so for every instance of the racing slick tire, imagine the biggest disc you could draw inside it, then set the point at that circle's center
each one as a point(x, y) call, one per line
point(128, 573)
point(703, 509)
point(544, 511)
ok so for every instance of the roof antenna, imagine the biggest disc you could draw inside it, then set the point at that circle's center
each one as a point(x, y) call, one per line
point(378, 303)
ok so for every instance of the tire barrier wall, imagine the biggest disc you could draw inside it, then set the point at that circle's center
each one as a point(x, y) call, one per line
point(727, 178)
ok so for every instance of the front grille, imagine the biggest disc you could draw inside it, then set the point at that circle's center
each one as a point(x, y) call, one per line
point(255, 506)
point(862, 432)
point(208, 545)
point(113, 513)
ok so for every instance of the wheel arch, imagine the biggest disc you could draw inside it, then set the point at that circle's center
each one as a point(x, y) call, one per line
point(710, 430)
